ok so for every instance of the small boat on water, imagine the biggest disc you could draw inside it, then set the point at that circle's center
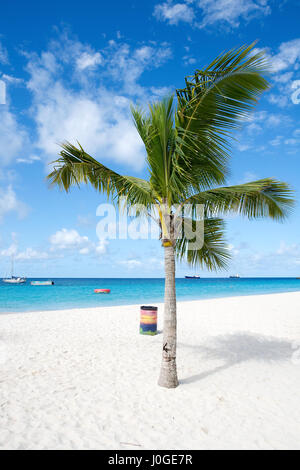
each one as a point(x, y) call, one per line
point(235, 276)
point(14, 279)
point(192, 277)
point(42, 283)
point(102, 291)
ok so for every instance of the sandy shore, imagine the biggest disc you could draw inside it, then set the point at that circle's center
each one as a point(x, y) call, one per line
point(85, 379)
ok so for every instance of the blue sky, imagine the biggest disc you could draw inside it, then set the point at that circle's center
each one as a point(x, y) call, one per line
point(71, 71)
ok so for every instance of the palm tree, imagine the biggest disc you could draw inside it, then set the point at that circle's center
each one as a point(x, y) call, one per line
point(187, 145)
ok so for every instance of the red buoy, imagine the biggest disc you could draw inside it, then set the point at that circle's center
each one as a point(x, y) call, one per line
point(102, 291)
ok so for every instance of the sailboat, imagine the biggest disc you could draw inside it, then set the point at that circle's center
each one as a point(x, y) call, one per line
point(14, 279)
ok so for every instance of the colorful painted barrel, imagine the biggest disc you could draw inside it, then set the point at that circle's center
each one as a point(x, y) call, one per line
point(148, 323)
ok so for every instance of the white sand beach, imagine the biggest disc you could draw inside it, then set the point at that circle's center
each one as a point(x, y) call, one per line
point(86, 379)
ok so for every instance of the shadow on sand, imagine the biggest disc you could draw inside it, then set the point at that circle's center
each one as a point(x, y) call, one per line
point(238, 348)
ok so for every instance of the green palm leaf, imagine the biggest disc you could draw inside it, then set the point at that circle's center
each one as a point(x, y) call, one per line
point(75, 166)
point(262, 198)
point(216, 101)
point(213, 254)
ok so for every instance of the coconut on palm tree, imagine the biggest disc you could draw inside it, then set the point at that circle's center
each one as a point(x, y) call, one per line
point(187, 143)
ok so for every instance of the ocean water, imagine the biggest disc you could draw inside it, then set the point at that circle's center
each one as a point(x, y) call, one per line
point(79, 293)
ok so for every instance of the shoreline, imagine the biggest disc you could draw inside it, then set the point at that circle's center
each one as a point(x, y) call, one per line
point(159, 303)
point(87, 379)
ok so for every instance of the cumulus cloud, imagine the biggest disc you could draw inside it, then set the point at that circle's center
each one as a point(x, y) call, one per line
point(71, 240)
point(203, 13)
point(231, 11)
point(13, 136)
point(284, 63)
point(84, 107)
point(288, 56)
point(26, 255)
point(62, 243)
point(64, 239)
point(174, 12)
point(10, 203)
point(126, 65)
point(87, 60)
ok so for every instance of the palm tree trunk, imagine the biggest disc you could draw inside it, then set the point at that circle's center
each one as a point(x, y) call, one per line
point(168, 372)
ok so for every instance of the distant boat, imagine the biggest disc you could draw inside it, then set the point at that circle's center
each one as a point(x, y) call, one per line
point(14, 279)
point(42, 283)
point(192, 277)
point(102, 291)
point(235, 276)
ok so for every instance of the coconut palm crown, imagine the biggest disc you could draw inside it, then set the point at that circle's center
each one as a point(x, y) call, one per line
point(187, 144)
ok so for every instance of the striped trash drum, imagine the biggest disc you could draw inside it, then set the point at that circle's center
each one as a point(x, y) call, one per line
point(148, 323)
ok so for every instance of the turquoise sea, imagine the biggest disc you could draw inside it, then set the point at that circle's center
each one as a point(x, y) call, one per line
point(79, 293)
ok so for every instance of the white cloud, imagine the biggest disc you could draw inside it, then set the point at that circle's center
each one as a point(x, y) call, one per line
point(13, 136)
point(288, 56)
point(3, 54)
point(27, 255)
point(208, 12)
point(277, 141)
point(64, 239)
point(101, 247)
point(285, 249)
point(10, 251)
point(284, 65)
point(243, 147)
point(269, 119)
point(87, 60)
point(31, 254)
point(71, 240)
point(131, 263)
point(103, 128)
point(254, 128)
point(291, 142)
point(63, 242)
point(280, 260)
point(29, 160)
point(283, 78)
point(126, 65)
point(83, 107)
point(188, 60)
point(173, 13)
point(231, 11)
point(10, 203)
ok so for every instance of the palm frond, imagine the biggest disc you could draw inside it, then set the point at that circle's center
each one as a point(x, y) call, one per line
point(262, 198)
point(216, 101)
point(213, 254)
point(157, 132)
point(75, 166)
